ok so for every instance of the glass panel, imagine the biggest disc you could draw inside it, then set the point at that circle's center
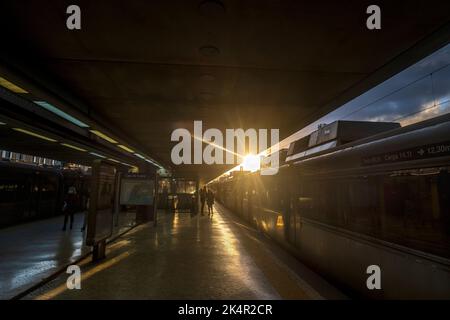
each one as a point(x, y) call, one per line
point(441, 85)
point(408, 100)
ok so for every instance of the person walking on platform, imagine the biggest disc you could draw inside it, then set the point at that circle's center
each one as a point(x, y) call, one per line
point(70, 206)
point(203, 194)
point(210, 202)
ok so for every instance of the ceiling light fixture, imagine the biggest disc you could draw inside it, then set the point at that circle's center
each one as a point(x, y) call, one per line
point(73, 147)
point(47, 106)
point(11, 86)
point(103, 136)
point(33, 134)
point(97, 155)
point(139, 156)
point(126, 164)
point(121, 146)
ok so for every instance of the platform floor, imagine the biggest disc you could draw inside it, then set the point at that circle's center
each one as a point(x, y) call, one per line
point(186, 257)
point(34, 251)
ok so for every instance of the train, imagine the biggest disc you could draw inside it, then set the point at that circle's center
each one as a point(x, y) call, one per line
point(29, 192)
point(347, 199)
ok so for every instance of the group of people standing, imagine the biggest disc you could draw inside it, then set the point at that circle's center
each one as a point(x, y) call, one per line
point(207, 197)
point(72, 201)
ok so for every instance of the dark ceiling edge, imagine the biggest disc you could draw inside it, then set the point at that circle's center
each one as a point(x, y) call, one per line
point(40, 79)
point(198, 65)
point(45, 125)
point(421, 49)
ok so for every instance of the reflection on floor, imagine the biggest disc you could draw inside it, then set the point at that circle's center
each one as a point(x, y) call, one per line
point(33, 251)
point(197, 257)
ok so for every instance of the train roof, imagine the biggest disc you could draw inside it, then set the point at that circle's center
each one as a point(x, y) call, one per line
point(379, 138)
point(25, 166)
point(336, 134)
point(386, 147)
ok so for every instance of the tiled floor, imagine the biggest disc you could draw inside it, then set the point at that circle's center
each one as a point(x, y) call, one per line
point(186, 257)
point(33, 251)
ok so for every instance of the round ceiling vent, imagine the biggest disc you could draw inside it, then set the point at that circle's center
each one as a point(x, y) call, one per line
point(206, 96)
point(209, 51)
point(207, 77)
point(211, 8)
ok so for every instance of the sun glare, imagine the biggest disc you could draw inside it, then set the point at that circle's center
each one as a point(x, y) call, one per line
point(251, 163)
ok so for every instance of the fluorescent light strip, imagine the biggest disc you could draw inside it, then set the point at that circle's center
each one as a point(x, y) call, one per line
point(33, 134)
point(125, 148)
point(2, 124)
point(11, 86)
point(73, 147)
point(103, 136)
point(139, 156)
point(126, 164)
point(154, 163)
point(47, 106)
point(113, 160)
point(97, 155)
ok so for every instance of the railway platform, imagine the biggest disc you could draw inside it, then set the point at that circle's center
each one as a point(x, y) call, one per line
point(193, 257)
point(32, 252)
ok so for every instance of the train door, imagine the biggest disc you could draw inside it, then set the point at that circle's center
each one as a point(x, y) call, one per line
point(292, 204)
point(48, 194)
point(31, 195)
point(283, 185)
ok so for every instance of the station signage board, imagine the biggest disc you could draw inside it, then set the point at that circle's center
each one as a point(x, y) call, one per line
point(101, 206)
point(137, 189)
point(434, 150)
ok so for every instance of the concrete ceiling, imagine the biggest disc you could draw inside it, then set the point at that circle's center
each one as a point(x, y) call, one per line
point(149, 67)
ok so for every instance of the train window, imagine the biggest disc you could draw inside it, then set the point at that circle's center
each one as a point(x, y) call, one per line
point(191, 186)
point(307, 199)
point(48, 187)
point(361, 207)
point(14, 189)
point(411, 208)
point(181, 186)
point(417, 210)
point(9, 191)
point(164, 186)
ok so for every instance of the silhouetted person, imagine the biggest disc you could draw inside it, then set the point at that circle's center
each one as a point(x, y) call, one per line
point(70, 206)
point(203, 194)
point(193, 206)
point(88, 203)
point(165, 199)
point(210, 202)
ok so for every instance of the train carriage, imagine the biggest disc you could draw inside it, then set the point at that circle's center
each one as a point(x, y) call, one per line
point(345, 204)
